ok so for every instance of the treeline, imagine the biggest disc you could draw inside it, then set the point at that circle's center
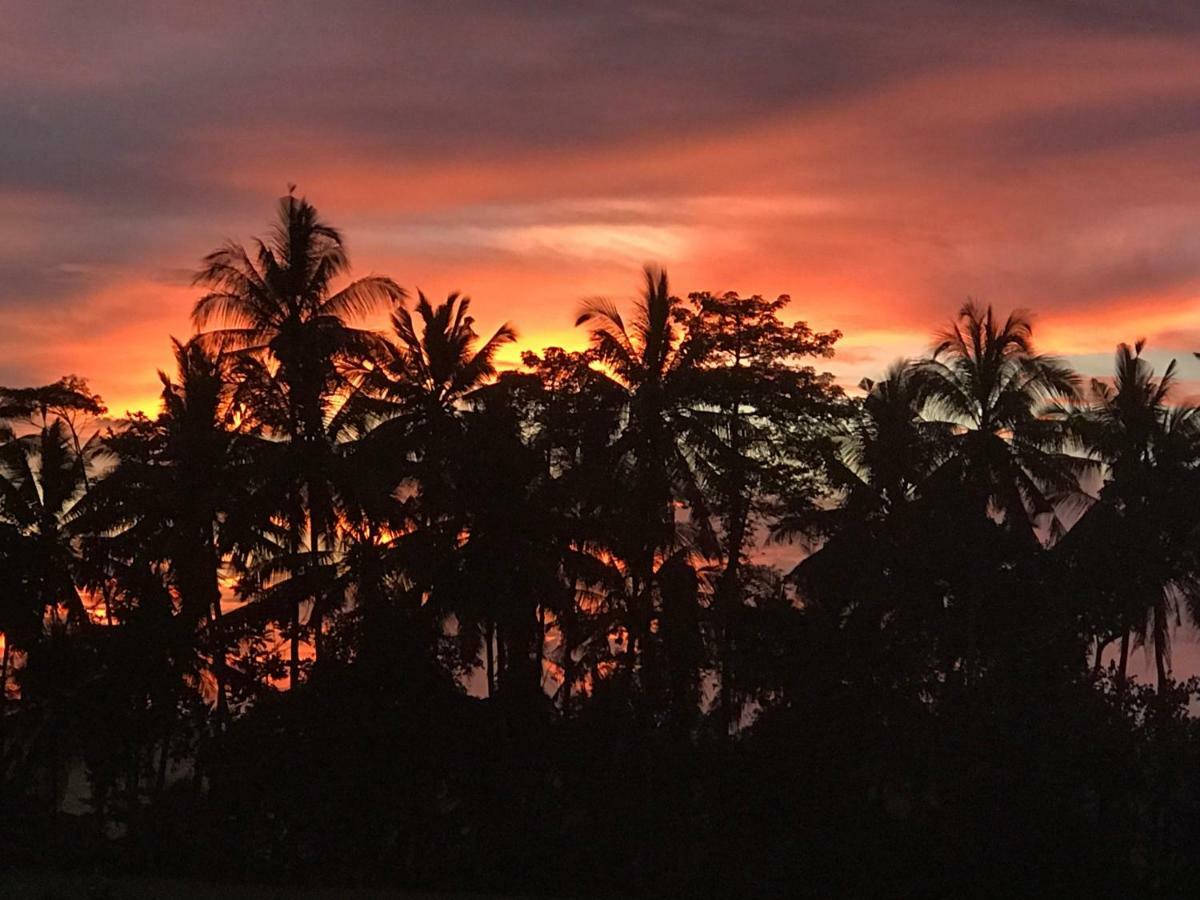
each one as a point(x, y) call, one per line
point(355, 607)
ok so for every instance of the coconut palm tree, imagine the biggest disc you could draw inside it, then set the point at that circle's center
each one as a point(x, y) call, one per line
point(431, 373)
point(1138, 540)
point(413, 399)
point(875, 466)
point(875, 570)
point(42, 480)
point(169, 496)
point(280, 306)
point(986, 380)
point(654, 370)
point(1009, 461)
point(875, 463)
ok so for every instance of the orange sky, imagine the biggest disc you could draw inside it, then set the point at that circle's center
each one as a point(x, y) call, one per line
point(879, 165)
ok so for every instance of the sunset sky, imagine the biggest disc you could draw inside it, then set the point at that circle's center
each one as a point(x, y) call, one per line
point(879, 162)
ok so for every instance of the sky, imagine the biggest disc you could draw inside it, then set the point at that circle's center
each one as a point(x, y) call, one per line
point(879, 162)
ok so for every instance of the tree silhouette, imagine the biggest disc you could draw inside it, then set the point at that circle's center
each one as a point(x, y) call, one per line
point(1139, 538)
point(281, 307)
point(985, 378)
point(646, 360)
point(674, 706)
point(416, 393)
point(169, 499)
point(755, 411)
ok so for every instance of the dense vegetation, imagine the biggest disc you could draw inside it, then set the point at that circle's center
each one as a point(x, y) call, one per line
point(355, 608)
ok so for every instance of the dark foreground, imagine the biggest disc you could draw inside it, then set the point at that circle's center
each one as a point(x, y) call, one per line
point(1041, 786)
point(28, 885)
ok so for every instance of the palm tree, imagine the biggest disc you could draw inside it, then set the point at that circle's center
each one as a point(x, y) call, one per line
point(985, 380)
point(280, 307)
point(411, 396)
point(432, 373)
point(875, 466)
point(875, 569)
point(1138, 539)
point(414, 397)
point(168, 499)
point(654, 370)
point(1008, 459)
point(572, 412)
point(42, 480)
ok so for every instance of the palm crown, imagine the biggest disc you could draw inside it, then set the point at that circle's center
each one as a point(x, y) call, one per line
point(985, 380)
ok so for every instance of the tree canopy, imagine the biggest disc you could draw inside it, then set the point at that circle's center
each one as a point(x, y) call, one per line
point(675, 614)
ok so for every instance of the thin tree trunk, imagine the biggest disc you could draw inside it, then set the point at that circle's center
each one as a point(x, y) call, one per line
point(4, 704)
point(631, 628)
point(566, 627)
point(1161, 630)
point(316, 616)
point(4, 677)
point(1123, 664)
point(217, 639)
point(294, 662)
point(541, 645)
point(489, 634)
point(1100, 645)
point(501, 655)
point(727, 600)
point(727, 588)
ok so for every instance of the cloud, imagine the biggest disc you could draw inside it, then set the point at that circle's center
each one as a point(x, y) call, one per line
point(879, 163)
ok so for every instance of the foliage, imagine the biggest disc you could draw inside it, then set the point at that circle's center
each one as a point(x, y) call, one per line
point(372, 608)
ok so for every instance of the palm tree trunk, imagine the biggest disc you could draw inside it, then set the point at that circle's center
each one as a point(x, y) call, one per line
point(1101, 644)
point(316, 615)
point(501, 655)
point(217, 639)
point(294, 662)
point(631, 629)
point(489, 634)
point(541, 645)
point(1123, 663)
point(1161, 630)
point(4, 676)
point(727, 591)
point(4, 701)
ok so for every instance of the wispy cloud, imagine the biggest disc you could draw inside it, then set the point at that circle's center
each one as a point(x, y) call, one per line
point(879, 163)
